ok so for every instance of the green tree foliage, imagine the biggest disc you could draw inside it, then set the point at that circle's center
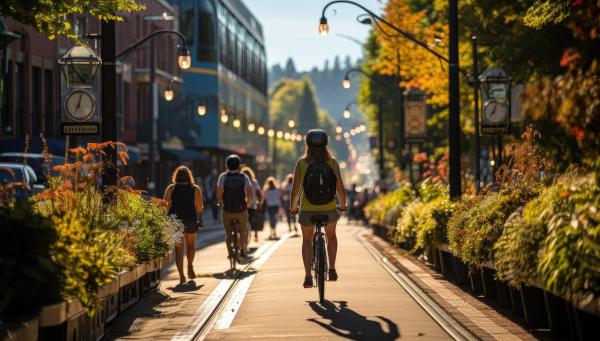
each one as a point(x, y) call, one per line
point(52, 16)
point(295, 99)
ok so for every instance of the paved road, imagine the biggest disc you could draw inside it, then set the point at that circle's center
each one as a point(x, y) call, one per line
point(365, 304)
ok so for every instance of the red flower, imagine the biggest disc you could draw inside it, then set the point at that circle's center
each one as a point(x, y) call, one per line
point(578, 133)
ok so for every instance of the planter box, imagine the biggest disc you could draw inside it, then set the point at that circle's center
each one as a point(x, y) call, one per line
point(503, 294)
point(74, 309)
point(557, 311)
point(23, 331)
point(488, 281)
point(461, 272)
point(515, 301)
point(53, 315)
point(109, 289)
point(534, 306)
point(475, 280)
point(128, 277)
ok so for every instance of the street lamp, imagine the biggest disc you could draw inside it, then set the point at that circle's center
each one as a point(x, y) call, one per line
point(202, 109)
point(323, 26)
point(79, 66)
point(183, 59)
point(169, 93)
point(224, 117)
point(346, 83)
point(453, 80)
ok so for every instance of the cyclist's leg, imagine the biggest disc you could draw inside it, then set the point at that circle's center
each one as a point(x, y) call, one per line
point(308, 232)
point(331, 244)
point(242, 218)
point(227, 223)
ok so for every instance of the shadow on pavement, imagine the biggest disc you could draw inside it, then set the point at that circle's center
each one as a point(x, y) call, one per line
point(347, 323)
point(186, 287)
point(228, 274)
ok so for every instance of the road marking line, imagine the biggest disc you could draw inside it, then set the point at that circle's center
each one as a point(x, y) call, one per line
point(211, 303)
point(233, 305)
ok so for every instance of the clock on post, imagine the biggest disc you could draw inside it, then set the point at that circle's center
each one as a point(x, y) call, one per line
point(79, 67)
point(495, 111)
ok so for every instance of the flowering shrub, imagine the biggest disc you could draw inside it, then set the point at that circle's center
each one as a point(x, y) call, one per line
point(386, 209)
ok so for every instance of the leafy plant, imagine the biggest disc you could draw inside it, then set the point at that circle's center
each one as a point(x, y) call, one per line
point(386, 209)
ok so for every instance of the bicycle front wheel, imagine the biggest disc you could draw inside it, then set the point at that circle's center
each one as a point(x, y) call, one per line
point(321, 268)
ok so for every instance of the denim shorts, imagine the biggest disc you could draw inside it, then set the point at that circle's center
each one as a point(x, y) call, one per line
point(304, 218)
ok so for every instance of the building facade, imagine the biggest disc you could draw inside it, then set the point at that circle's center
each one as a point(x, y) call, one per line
point(228, 79)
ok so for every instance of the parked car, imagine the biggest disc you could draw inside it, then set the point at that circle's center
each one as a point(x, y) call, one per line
point(18, 172)
point(35, 161)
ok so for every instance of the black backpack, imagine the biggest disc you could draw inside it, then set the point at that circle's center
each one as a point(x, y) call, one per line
point(234, 192)
point(319, 183)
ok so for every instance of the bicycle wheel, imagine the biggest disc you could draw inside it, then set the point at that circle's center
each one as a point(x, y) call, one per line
point(321, 267)
point(234, 246)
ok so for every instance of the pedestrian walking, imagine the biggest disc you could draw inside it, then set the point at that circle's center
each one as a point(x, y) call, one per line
point(210, 183)
point(352, 209)
point(185, 203)
point(286, 192)
point(254, 221)
point(272, 200)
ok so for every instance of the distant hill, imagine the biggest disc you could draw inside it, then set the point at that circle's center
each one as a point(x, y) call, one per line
point(331, 95)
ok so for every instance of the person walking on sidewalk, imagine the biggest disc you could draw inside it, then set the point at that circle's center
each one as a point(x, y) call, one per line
point(185, 202)
point(317, 179)
point(234, 195)
point(253, 208)
point(286, 191)
point(272, 199)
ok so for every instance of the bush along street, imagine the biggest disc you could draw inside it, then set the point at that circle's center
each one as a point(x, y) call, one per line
point(533, 226)
point(68, 242)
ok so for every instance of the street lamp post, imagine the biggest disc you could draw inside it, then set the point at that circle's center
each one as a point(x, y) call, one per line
point(454, 69)
point(184, 62)
point(476, 142)
point(6, 37)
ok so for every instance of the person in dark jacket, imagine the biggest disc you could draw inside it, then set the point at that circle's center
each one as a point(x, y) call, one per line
point(185, 202)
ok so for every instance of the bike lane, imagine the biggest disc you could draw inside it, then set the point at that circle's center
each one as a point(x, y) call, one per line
point(365, 304)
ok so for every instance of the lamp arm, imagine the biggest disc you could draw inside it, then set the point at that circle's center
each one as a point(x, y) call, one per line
point(370, 77)
point(129, 49)
point(387, 23)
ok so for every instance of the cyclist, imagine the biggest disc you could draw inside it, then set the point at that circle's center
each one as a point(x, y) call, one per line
point(234, 195)
point(319, 175)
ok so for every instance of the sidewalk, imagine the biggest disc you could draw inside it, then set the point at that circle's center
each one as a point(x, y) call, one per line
point(365, 304)
point(165, 312)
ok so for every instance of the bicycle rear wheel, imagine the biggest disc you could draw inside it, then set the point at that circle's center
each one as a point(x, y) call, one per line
point(321, 267)
point(234, 247)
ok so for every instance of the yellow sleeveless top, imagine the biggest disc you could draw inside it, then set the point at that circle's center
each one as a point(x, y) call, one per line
point(305, 205)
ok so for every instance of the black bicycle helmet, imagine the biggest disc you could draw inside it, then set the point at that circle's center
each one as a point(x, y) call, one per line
point(316, 138)
point(233, 162)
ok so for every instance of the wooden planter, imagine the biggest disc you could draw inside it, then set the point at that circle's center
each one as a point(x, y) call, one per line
point(503, 294)
point(534, 310)
point(489, 283)
point(461, 271)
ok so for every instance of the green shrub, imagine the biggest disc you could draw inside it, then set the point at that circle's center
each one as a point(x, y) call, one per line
point(432, 228)
point(386, 209)
point(475, 231)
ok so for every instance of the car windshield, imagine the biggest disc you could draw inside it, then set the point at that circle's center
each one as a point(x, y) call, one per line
point(37, 163)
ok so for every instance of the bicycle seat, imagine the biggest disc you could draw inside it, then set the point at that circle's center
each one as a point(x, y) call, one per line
point(319, 219)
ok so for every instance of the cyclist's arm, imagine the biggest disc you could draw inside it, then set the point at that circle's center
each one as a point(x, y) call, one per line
point(219, 194)
point(198, 203)
point(295, 189)
point(340, 189)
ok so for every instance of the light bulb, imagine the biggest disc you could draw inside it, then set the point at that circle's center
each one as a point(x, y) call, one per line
point(251, 127)
point(286, 136)
point(279, 134)
point(237, 123)
point(298, 138)
point(346, 135)
point(346, 83)
point(224, 118)
point(169, 94)
point(261, 130)
point(271, 133)
point(202, 110)
point(338, 137)
point(338, 129)
point(291, 123)
point(184, 60)
point(346, 113)
point(323, 26)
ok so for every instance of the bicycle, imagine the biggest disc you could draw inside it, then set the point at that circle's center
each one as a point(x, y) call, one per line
point(233, 258)
point(319, 259)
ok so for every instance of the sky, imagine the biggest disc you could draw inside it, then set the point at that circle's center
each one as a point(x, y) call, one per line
point(291, 30)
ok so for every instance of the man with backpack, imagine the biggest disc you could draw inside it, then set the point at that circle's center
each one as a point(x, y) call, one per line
point(234, 194)
point(317, 180)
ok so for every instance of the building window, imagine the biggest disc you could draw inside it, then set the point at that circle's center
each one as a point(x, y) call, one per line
point(186, 22)
point(206, 32)
point(19, 99)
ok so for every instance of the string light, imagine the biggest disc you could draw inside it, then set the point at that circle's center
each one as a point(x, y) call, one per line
point(286, 136)
point(261, 130)
point(251, 127)
point(271, 133)
point(237, 123)
point(279, 134)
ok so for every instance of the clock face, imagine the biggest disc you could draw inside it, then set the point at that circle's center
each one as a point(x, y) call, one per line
point(80, 105)
point(495, 113)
